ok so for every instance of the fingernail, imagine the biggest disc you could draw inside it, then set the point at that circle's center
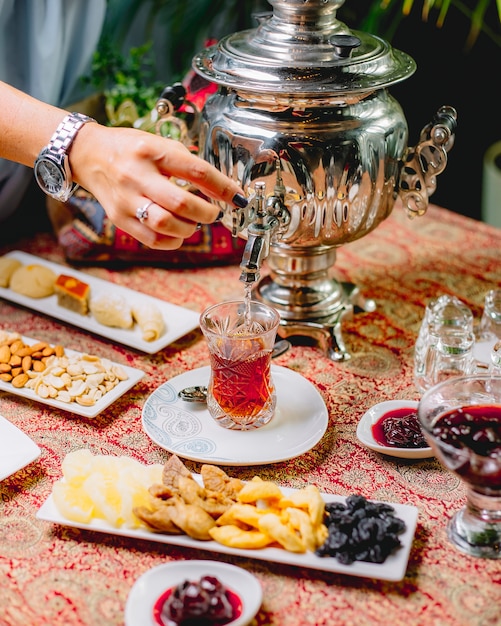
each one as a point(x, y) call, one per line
point(220, 216)
point(240, 201)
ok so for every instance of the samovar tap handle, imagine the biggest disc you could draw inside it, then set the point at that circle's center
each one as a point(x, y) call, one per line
point(426, 160)
point(258, 238)
point(267, 219)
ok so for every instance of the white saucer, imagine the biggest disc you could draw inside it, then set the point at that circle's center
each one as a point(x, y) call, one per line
point(188, 430)
point(16, 449)
point(151, 585)
point(364, 431)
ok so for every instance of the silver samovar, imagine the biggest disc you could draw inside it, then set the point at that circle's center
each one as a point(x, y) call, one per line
point(303, 120)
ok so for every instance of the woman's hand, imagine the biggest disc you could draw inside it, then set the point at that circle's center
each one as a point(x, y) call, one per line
point(128, 170)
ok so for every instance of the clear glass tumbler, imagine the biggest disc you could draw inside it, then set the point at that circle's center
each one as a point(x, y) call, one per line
point(240, 336)
point(445, 343)
point(490, 323)
point(495, 363)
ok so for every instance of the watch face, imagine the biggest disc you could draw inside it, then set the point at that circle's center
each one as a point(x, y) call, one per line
point(49, 177)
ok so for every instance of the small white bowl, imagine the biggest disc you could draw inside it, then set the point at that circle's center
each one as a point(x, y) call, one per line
point(152, 584)
point(365, 436)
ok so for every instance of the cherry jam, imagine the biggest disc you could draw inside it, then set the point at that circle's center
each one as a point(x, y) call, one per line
point(206, 602)
point(473, 438)
point(475, 429)
point(399, 428)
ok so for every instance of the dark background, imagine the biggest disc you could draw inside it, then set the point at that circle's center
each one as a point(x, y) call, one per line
point(448, 73)
point(469, 81)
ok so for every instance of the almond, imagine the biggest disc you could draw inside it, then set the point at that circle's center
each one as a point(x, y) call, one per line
point(20, 380)
point(5, 354)
point(38, 366)
point(21, 352)
point(15, 360)
point(16, 345)
point(38, 347)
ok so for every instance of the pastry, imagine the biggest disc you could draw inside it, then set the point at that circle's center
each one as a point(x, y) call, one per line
point(112, 310)
point(149, 319)
point(72, 294)
point(8, 265)
point(34, 281)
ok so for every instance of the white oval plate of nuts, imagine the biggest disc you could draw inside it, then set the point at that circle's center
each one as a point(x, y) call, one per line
point(79, 383)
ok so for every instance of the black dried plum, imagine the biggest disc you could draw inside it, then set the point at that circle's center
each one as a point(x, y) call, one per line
point(359, 530)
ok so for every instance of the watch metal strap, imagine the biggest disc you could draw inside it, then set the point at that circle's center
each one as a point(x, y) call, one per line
point(66, 131)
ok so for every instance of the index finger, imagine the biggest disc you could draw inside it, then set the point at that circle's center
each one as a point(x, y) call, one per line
point(202, 175)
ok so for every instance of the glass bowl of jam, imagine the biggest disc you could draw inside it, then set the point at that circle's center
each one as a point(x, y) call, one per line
point(461, 419)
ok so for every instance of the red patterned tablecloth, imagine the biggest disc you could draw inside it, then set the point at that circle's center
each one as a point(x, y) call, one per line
point(56, 575)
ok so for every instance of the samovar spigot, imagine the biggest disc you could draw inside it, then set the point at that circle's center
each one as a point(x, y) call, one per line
point(268, 218)
point(258, 237)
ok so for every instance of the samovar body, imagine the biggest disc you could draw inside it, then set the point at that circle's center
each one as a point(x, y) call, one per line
point(304, 117)
point(339, 161)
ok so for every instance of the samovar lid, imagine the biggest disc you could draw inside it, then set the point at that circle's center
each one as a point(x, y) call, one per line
point(302, 48)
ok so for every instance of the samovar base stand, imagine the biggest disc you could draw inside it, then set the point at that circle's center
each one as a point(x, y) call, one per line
point(315, 310)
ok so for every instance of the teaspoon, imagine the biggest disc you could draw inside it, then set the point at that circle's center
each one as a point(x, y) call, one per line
point(198, 393)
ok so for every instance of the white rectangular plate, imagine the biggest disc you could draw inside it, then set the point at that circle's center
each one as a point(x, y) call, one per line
point(133, 376)
point(178, 320)
point(392, 569)
point(16, 449)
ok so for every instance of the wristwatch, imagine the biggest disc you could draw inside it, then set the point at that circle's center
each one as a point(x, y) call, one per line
point(52, 168)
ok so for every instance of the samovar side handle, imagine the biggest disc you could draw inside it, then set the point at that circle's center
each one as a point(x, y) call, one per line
point(426, 160)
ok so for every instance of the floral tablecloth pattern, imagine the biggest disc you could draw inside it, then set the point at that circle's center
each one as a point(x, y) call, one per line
point(55, 575)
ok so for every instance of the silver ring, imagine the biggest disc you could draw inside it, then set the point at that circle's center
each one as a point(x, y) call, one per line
point(142, 211)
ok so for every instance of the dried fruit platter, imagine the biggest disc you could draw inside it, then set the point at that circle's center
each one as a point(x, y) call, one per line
point(393, 569)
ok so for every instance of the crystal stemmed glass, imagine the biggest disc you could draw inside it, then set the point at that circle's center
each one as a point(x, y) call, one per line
point(461, 419)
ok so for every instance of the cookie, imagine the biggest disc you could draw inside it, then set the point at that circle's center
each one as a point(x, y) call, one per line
point(149, 319)
point(34, 281)
point(8, 265)
point(112, 310)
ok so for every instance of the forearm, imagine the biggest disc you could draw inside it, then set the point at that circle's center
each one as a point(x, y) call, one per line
point(124, 168)
point(26, 125)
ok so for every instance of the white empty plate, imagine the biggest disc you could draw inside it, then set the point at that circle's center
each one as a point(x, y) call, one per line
point(365, 436)
point(16, 449)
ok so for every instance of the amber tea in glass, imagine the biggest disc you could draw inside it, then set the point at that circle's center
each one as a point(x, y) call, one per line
point(240, 335)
